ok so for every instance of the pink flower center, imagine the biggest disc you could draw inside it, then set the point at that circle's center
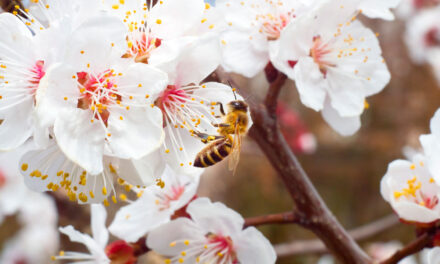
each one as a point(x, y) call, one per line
point(273, 25)
point(415, 194)
point(98, 92)
point(172, 99)
point(418, 4)
point(2, 179)
point(173, 194)
point(224, 246)
point(318, 52)
point(432, 37)
point(141, 46)
point(38, 74)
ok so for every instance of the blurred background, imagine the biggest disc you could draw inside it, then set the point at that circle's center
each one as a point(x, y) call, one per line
point(346, 171)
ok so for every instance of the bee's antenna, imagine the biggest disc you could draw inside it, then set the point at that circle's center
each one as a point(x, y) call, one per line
point(233, 90)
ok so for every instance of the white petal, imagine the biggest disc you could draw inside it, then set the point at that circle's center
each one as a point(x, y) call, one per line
point(215, 217)
point(346, 126)
point(138, 218)
point(76, 236)
point(143, 171)
point(99, 230)
point(141, 80)
point(310, 83)
point(176, 17)
point(180, 229)
point(188, 60)
point(253, 247)
point(81, 140)
point(379, 8)
point(16, 128)
point(241, 55)
point(137, 134)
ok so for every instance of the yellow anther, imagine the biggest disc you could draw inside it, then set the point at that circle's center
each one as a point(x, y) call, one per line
point(183, 253)
point(92, 195)
point(172, 244)
point(115, 7)
point(123, 197)
point(186, 242)
point(114, 199)
point(104, 191)
point(24, 167)
point(106, 202)
point(158, 21)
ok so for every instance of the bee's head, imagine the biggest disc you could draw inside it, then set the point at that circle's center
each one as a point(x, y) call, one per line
point(238, 105)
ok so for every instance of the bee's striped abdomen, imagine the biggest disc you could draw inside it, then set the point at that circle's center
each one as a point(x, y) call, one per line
point(213, 153)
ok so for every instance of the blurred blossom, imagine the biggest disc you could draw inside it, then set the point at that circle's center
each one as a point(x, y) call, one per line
point(334, 67)
point(423, 34)
point(382, 251)
point(408, 8)
point(155, 206)
point(214, 234)
point(38, 238)
point(299, 138)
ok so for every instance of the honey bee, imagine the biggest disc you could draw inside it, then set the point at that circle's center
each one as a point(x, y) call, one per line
point(228, 142)
point(10, 5)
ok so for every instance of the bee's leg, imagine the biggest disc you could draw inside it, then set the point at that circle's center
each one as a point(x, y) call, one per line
point(222, 110)
point(221, 125)
point(206, 138)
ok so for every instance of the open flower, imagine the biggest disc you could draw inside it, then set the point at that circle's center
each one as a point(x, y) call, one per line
point(335, 61)
point(188, 105)
point(22, 65)
point(102, 103)
point(411, 190)
point(251, 26)
point(155, 206)
point(150, 26)
point(96, 244)
point(214, 234)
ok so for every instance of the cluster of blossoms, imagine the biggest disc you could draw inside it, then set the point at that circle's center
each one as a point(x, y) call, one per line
point(116, 91)
point(121, 91)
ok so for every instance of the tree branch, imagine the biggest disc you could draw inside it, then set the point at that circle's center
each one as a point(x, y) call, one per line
point(314, 213)
point(271, 101)
point(423, 241)
point(315, 246)
point(283, 218)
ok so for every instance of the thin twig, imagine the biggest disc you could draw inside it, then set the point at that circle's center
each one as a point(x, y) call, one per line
point(313, 212)
point(423, 241)
point(283, 218)
point(315, 246)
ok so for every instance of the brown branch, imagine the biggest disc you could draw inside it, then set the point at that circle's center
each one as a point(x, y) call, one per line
point(283, 218)
point(315, 246)
point(423, 241)
point(315, 215)
point(271, 101)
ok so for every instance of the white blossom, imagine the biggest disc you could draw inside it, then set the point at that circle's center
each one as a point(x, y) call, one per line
point(251, 26)
point(335, 61)
point(214, 234)
point(155, 206)
point(411, 190)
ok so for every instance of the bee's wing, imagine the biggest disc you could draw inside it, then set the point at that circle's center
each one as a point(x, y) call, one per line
point(234, 157)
